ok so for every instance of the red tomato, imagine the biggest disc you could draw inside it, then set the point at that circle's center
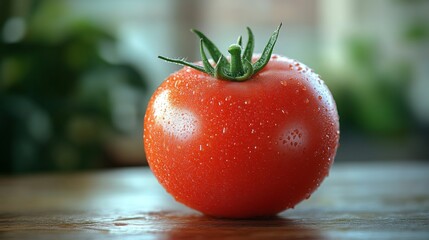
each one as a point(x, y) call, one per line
point(242, 149)
point(253, 144)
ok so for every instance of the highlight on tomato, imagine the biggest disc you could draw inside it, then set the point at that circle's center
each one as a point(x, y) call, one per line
point(244, 136)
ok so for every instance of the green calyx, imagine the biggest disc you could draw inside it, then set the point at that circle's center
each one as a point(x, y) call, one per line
point(240, 68)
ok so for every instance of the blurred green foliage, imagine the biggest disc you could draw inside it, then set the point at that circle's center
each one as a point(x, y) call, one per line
point(372, 94)
point(55, 92)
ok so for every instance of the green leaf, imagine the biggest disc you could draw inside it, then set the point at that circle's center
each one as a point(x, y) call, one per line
point(211, 47)
point(268, 50)
point(220, 70)
point(248, 51)
point(207, 66)
point(240, 41)
point(248, 71)
point(240, 68)
point(183, 62)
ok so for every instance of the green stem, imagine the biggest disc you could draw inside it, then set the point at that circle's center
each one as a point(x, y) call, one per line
point(236, 68)
point(241, 67)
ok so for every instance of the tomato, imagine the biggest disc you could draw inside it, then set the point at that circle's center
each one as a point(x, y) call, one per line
point(242, 149)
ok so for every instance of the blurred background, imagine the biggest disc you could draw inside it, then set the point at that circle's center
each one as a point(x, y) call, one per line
point(76, 75)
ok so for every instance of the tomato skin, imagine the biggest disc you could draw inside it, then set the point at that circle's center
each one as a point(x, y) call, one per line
point(242, 149)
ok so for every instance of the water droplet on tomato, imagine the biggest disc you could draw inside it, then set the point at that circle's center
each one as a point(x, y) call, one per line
point(227, 98)
point(283, 82)
point(247, 102)
point(177, 122)
point(306, 100)
point(319, 97)
point(224, 130)
point(294, 138)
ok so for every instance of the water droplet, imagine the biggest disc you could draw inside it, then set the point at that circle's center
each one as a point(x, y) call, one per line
point(306, 100)
point(247, 102)
point(224, 130)
point(283, 82)
point(228, 98)
point(319, 97)
point(253, 131)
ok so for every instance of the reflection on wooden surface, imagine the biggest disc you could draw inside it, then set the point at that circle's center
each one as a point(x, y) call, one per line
point(356, 202)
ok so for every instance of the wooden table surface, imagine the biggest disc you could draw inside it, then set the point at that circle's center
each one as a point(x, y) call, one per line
point(357, 201)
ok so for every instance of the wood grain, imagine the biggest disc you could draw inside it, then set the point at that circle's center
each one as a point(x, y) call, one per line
point(358, 201)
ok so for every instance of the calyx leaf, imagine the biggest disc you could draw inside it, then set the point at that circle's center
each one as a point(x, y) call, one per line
point(240, 68)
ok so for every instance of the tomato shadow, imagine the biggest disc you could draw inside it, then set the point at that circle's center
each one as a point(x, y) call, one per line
point(205, 227)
